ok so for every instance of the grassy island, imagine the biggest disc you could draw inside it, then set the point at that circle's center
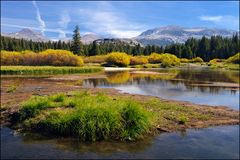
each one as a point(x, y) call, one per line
point(95, 116)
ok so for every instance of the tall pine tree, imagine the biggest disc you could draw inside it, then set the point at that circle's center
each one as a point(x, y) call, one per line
point(76, 47)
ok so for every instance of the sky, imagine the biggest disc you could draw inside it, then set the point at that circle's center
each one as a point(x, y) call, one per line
point(123, 19)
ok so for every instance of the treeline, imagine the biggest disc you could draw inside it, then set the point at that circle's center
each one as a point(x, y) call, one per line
point(206, 48)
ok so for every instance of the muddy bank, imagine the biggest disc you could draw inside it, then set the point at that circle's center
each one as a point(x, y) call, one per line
point(10, 102)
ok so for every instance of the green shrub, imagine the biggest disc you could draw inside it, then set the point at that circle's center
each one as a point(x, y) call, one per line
point(85, 116)
point(118, 58)
point(138, 60)
point(234, 59)
point(196, 60)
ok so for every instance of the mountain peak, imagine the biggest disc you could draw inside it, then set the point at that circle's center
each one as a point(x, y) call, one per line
point(26, 30)
point(176, 34)
point(28, 34)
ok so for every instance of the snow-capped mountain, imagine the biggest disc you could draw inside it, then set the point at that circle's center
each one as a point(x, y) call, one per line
point(176, 34)
point(27, 34)
point(157, 36)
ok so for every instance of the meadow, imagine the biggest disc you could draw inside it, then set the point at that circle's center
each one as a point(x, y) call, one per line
point(38, 70)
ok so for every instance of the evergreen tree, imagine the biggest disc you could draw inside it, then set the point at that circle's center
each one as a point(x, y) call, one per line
point(76, 47)
point(95, 49)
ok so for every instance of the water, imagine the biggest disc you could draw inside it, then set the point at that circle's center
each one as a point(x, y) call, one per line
point(217, 142)
point(185, 85)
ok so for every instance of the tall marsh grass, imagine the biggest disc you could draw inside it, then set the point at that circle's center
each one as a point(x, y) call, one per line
point(8, 70)
point(85, 116)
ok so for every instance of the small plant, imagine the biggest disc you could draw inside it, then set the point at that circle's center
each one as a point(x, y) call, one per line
point(11, 88)
point(58, 97)
point(182, 119)
point(119, 59)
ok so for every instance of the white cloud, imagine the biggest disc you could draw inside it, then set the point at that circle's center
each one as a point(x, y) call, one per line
point(224, 20)
point(211, 18)
point(39, 18)
point(106, 20)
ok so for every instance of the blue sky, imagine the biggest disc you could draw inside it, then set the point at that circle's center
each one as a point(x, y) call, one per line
point(124, 19)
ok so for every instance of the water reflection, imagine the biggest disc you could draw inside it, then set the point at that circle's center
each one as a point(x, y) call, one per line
point(216, 142)
point(188, 85)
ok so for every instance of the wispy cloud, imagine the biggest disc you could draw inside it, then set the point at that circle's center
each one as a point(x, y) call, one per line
point(105, 19)
point(63, 23)
point(39, 18)
point(52, 30)
point(224, 20)
point(211, 18)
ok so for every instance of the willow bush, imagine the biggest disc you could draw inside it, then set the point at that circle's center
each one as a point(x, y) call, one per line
point(166, 59)
point(120, 59)
point(137, 60)
point(234, 59)
point(49, 57)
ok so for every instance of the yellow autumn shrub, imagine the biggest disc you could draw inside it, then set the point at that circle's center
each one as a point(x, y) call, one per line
point(49, 57)
point(196, 60)
point(120, 59)
point(154, 58)
point(234, 59)
point(136, 60)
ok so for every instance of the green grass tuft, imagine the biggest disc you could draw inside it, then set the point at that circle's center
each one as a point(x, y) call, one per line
point(85, 116)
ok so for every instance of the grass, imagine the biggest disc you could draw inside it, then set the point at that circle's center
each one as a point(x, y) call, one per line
point(168, 115)
point(95, 117)
point(8, 70)
point(222, 65)
point(85, 116)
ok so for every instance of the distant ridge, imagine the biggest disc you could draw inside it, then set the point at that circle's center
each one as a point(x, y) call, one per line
point(160, 36)
point(177, 34)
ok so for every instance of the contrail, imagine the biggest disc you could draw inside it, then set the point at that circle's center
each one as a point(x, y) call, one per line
point(39, 19)
point(65, 19)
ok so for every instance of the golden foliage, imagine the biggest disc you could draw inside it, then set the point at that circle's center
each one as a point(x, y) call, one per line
point(49, 57)
point(234, 59)
point(166, 59)
point(196, 60)
point(118, 58)
point(138, 60)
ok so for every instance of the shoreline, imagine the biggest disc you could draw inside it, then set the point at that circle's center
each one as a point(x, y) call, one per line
point(10, 102)
point(222, 115)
